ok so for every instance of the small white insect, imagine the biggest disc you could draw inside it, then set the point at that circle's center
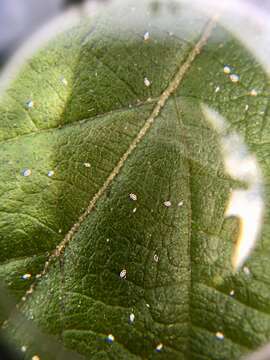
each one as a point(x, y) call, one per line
point(246, 107)
point(156, 258)
point(234, 78)
point(131, 318)
point(217, 89)
point(23, 348)
point(27, 172)
point(219, 335)
point(29, 104)
point(63, 81)
point(159, 347)
point(227, 69)
point(167, 203)
point(134, 210)
point(133, 196)
point(110, 338)
point(123, 274)
point(246, 270)
point(180, 203)
point(26, 276)
point(146, 36)
point(87, 164)
point(232, 293)
point(253, 92)
point(147, 82)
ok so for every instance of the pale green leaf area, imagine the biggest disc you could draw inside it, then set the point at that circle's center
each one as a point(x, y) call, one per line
point(153, 272)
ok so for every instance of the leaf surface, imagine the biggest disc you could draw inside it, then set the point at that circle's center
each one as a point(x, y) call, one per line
point(127, 189)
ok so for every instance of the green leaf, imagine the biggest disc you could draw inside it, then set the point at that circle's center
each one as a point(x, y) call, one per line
point(113, 190)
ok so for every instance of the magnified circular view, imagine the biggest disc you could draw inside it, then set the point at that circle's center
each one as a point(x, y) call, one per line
point(134, 182)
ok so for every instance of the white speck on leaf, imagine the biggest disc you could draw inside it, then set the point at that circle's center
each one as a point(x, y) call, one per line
point(146, 36)
point(156, 258)
point(23, 348)
point(227, 69)
point(29, 104)
point(232, 293)
point(110, 338)
point(180, 203)
point(167, 203)
point(217, 89)
point(131, 318)
point(26, 276)
point(87, 164)
point(234, 78)
point(246, 107)
point(219, 335)
point(159, 347)
point(26, 172)
point(133, 196)
point(253, 92)
point(147, 82)
point(134, 210)
point(50, 173)
point(123, 274)
point(246, 270)
point(63, 81)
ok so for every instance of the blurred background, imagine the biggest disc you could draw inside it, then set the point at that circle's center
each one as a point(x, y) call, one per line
point(20, 18)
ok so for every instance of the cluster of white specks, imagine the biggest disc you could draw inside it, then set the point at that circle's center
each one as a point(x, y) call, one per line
point(147, 82)
point(26, 276)
point(123, 274)
point(156, 258)
point(87, 164)
point(167, 203)
point(234, 78)
point(227, 69)
point(134, 210)
point(159, 347)
point(232, 293)
point(131, 318)
point(27, 172)
point(110, 338)
point(246, 270)
point(219, 335)
point(133, 196)
point(50, 173)
point(253, 92)
point(217, 89)
point(23, 348)
point(63, 81)
point(146, 36)
point(35, 357)
point(29, 104)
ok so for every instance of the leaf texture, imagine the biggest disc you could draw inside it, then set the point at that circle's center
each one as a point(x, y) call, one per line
point(122, 212)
